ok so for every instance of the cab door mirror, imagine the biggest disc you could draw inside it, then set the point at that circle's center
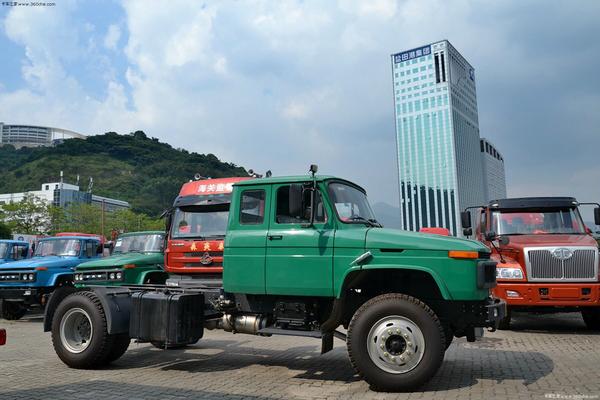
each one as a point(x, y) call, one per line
point(490, 235)
point(465, 219)
point(295, 200)
point(597, 215)
point(467, 231)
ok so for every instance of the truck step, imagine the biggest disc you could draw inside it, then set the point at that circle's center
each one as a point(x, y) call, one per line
point(290, 332)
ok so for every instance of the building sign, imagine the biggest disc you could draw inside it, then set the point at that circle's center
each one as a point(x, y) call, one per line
point(410, 54)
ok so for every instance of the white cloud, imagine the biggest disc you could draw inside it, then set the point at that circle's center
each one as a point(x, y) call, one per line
point(112, 37)
point(279, 85)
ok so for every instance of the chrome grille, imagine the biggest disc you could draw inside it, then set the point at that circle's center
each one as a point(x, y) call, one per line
point(542, 265)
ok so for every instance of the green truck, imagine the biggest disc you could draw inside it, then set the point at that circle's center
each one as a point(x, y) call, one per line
point(304, 256)
point(137, 259)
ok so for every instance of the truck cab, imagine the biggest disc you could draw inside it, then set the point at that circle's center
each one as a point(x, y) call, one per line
point(547, 259)
point(196, 227)
point(137, 259)
point(26, 283)
point(13, 250)
point(303, 255)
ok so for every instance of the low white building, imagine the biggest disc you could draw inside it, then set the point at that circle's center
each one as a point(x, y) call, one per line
point(34, 136)
point(63, 194)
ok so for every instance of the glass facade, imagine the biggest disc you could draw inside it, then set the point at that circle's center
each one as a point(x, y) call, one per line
point(437, 133)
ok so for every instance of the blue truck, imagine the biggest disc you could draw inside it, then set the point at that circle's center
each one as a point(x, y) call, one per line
point(26, 283)
point(13, 250)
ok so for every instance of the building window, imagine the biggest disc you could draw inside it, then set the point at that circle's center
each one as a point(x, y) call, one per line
point(47, 187)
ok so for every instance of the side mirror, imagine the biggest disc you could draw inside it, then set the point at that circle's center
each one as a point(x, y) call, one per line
point(597, 215)
point(465, 219)
point(467, 231)
point(295, 200)
point(504, 240)
point(490, 235)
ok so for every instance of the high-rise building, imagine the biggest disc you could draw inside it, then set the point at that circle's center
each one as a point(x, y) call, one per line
point(494, 180)
point(34, 136)
point(437, 133)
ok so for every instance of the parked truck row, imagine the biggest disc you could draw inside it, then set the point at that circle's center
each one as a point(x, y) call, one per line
point(303, 256)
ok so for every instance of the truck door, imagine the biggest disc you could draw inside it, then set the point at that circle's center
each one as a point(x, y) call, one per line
point(299, 258)
point(244, 253)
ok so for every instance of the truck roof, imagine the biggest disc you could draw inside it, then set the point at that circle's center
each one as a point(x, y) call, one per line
point(142, 233)
point(534, 202)
point(71, 237)
point(295, 179)
point(13, 241)
point(209, 186)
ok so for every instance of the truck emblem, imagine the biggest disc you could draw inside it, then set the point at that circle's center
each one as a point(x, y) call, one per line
point(562, 254)
point(206, 259)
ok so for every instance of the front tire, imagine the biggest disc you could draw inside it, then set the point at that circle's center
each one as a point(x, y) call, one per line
point(504, 324)
point(395, 342)
point(12, 310)
point(79, 333)
point(591, 317)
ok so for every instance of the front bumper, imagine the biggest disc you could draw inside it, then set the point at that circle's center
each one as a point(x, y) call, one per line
point(551, 294)
point(28, 295)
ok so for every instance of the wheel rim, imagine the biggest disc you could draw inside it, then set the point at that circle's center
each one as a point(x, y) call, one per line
point(76, 330)
point(396, 344)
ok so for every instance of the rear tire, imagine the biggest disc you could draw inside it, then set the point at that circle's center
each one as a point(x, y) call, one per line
point(12, 310)
point(591, 317)
point(395, 342)
point(79, 333)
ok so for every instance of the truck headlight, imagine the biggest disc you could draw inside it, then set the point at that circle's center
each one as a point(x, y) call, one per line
point(509, 273)
point(78, 277)
point(119, 275)
point(31, 277)
point(111, 275)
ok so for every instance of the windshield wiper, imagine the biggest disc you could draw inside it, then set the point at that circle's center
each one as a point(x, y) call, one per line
point(369, 222)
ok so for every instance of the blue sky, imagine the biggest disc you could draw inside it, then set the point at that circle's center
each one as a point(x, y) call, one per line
point(280, 85)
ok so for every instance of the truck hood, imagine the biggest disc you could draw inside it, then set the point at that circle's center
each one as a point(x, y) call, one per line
point(518, 242)
point(119, 260)
point(383, 238)
point(49, 262)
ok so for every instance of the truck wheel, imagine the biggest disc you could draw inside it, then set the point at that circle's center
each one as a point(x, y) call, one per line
point(79, 333)
point(12, 310)
point(395, 342)
point(591, 317)
point(504, 324)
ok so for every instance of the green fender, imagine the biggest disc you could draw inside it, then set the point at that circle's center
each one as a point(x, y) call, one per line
point(443, 289)
point(142, 276)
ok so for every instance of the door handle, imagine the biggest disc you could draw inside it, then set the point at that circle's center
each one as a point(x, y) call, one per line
point(275, 237)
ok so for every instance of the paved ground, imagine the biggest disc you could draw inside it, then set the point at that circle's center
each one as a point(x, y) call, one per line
point(543, 357)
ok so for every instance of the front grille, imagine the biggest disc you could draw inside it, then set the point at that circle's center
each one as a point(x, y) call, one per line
point(10, 277)
point(542, 265)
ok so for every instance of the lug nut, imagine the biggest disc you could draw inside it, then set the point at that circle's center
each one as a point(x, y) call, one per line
point(397, 330)
point(389, 331)
point(401, 358)
point(382, 346)
point(383, 337)
point(386, 354)
point(409, 344)
point(405, 336)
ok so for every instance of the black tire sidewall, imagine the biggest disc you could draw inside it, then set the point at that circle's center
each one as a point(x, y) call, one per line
point(435, 344)
point(96, 352)
point(591, 317)
point(12, 311)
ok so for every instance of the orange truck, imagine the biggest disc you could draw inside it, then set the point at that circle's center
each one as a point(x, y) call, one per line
point(547, 259)
point(196, 226)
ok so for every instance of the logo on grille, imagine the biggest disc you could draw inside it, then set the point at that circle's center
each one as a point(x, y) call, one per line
point(562, 254)
point(206, 259)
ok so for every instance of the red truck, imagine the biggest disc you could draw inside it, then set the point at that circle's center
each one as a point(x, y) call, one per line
point(196, 227)
point(547, 259)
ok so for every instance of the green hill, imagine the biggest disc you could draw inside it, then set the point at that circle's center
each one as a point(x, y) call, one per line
point(141, 170)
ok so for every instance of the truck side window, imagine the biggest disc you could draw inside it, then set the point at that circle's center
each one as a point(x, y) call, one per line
point(283, 215)
point(19, 252)
point(252, 210)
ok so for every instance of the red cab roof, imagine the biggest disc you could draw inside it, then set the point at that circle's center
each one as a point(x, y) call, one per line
point(210, 186)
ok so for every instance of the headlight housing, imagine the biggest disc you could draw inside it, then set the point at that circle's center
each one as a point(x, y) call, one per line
point(509, 273)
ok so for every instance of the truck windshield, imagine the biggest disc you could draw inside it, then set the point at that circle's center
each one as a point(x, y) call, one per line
point(140, 244)
point(539, 222)
point(58, 247)
point(197, 224)
point(3, 250)
point(351, 204)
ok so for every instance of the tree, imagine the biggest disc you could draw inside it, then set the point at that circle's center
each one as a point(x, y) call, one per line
point(5, 232)
point(29, 216)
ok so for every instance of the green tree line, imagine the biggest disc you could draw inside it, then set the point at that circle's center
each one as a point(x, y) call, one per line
point(33, 215)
